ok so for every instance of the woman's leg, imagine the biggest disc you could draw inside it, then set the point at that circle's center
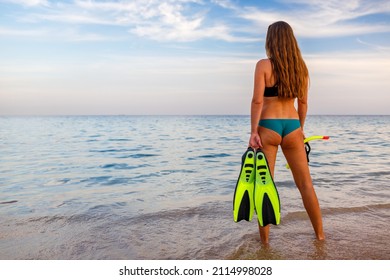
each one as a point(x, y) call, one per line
point(294, 151)
point(270, 140)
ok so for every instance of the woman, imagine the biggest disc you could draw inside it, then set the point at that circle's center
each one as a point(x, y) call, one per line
point(279, 81)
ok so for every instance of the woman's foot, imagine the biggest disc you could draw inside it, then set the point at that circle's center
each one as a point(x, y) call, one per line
point(321, 237)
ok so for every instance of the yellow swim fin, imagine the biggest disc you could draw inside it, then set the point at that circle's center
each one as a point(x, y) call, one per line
point(243, 207)
point(267, 203)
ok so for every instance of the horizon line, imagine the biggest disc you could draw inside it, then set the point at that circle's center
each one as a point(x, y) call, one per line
point(168, 115)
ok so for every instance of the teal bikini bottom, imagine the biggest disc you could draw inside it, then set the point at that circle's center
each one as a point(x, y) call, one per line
point(281, 126)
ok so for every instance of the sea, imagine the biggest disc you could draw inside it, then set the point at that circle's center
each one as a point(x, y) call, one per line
point(161, 188)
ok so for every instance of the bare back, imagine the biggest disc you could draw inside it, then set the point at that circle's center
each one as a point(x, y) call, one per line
point(274, 107)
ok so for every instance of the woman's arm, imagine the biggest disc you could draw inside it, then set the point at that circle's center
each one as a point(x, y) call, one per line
point(257, 103)
point(302, 109)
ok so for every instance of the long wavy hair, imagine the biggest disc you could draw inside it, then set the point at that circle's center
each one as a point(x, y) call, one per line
point(290, 71)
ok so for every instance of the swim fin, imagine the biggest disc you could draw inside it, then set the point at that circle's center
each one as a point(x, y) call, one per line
point(243, 207)
point(266, 195)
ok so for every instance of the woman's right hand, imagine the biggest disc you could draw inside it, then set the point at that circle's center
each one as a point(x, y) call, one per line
point(255, 141)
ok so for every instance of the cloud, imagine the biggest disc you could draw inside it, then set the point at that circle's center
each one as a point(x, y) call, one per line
point(67, 34)
point(224, 20)
point(30, 3)
point(317, 18)
point(375, 47)
point(13, 32)
point(167, 20)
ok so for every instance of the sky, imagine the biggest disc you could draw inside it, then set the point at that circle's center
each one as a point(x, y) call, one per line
point(169, 57)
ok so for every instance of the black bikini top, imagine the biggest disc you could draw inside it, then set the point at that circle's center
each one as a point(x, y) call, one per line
point(271, 91)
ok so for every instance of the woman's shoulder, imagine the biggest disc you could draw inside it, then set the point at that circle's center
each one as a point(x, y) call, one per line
point(264, 63)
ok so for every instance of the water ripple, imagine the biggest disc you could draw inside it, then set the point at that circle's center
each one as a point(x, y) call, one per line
point(139, 156)
point(122, 166)
point(211, 156)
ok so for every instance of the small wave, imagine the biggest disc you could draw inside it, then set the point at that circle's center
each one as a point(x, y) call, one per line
point(355, 151)
point(356, 209)
point(301, 215)
point(378, 173)
point(210, 156)
point(208, 209)
point(48, 219)
point(167, 172)
point(285, 184)
point(97, 179)
point(215, 156)
point(121, 166)
point(144, 177)
point(95, 213)
point(119, 140)
point(106, 181)
point(57, 182)
point(140, 156)
point(113, 150)
point(8, 202)
point(323, 164)
point(117, 181)
point(105, 208)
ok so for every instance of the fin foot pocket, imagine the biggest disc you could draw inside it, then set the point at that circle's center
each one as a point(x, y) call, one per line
point(268, 212)
point(244, 211)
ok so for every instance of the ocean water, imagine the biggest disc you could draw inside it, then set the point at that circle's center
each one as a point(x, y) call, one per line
point(161, 187)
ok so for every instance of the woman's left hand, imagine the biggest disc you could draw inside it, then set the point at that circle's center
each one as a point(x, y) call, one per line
point(255, 141)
